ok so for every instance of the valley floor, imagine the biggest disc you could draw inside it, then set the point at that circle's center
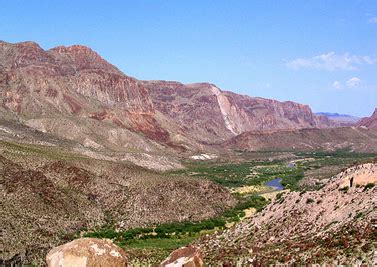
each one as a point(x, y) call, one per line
point(149, 214)
point(245, 176)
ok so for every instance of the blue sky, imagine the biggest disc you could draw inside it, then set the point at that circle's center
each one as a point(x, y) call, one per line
point(321, 53)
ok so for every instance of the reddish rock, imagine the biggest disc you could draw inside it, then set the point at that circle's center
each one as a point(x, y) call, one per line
point(211, 114)
point(189, 256)
point(87, 252)
point(369, 122)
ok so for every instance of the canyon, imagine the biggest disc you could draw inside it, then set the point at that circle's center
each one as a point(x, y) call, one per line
point(87, 151)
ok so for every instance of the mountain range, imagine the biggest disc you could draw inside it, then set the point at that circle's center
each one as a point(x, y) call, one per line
point(340, 119)
point(73, 93)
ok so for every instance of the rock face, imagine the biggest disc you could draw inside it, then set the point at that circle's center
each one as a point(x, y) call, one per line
point(87, 252)
point(358, 176)
point(189, 256)
point(369, 122)
point(212, 114)
point(315, 226)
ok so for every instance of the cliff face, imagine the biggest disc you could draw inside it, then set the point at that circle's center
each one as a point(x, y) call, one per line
point(217, 115)
point(370, 122)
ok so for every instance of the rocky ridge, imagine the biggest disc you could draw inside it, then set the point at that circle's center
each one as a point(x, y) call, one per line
point(369, 122)
point(73, 93)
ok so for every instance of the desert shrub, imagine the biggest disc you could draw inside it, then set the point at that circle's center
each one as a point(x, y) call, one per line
point(368, 186)
point(344, 189)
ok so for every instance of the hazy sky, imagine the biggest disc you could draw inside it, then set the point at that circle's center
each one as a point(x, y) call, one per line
point(321, 53)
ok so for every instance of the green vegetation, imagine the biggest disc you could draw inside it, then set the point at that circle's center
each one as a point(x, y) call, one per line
point(258, 172)
point(173, 235)
point(246, 173)
point(344, 189)
point(368, 186)
point(166, 237)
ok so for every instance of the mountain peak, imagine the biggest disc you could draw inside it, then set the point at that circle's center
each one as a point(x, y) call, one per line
point(83, 57)
point(76, 49)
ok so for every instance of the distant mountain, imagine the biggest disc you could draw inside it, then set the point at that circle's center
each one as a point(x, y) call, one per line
point(211, 114)
point(340, 119)
point(370, 122)
point(357, 139)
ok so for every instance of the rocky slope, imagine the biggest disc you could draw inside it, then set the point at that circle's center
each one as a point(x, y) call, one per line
point(357, 139)
point(369, 122)
point(335, 224)
point(73, 93)
point(210, 114)
point(49, 194)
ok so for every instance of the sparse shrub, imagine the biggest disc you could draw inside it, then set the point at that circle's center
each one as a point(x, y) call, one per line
point(309, 200)
point(368, 186)
point(344, 189)
point(279, 196)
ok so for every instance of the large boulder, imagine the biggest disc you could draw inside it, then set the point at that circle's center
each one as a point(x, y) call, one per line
point(189, 256)
point(88, 252)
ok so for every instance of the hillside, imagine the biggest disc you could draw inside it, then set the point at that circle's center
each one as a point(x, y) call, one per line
point(335, 224)
point(356, 139)
point(50, 195)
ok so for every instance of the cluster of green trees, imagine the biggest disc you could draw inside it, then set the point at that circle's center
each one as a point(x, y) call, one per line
point(179, 229)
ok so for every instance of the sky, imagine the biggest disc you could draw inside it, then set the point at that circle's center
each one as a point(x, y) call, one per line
point(317, 52)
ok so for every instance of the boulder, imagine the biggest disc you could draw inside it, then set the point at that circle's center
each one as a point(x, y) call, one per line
point(87, 252)
point(189, 256)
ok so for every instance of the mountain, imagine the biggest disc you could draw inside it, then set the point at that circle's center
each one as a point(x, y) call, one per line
point(210, 114)
point(73, 93)
point(340, 119)
point(335, 224)
point(369, 122)
point(332, 139)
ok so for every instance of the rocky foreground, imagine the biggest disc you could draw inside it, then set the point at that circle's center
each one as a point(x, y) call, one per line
point(336, 224)
point(91, 252)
